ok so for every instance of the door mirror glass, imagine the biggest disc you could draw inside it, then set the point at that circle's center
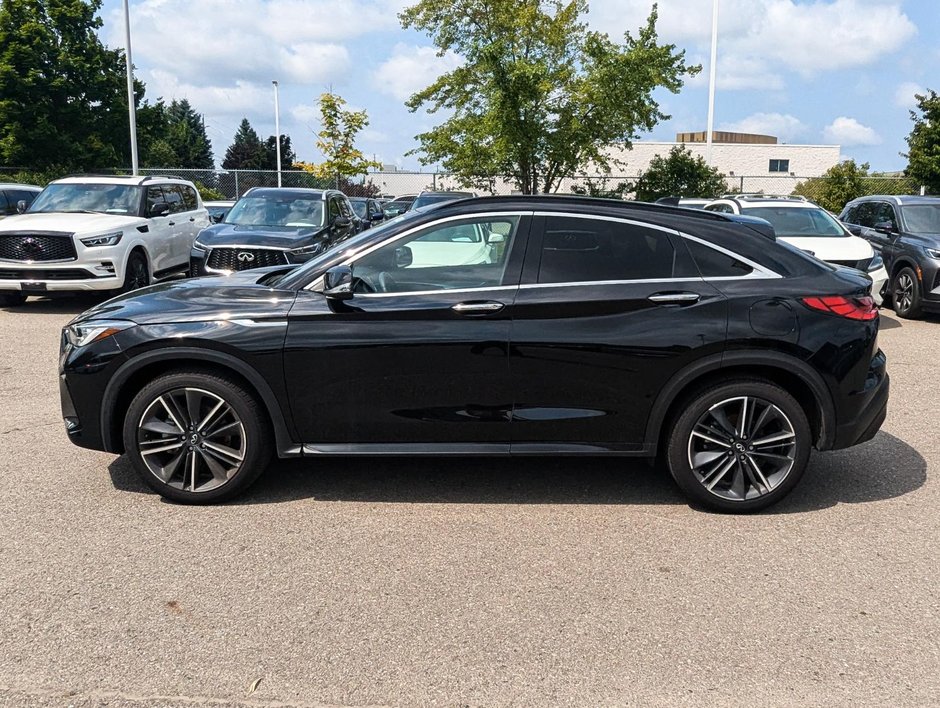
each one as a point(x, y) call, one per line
point(884, 227)
point(338, 283)
point(158, 209)
point(403, 257)
point(377, 216)
point(341, 222)
point(21, 206)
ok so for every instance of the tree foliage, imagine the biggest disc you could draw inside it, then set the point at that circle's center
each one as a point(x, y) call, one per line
point(62, 92)
point(288, 157)
point(538, 97)
point(187, 137)
point(336, 141)
point(848, 180)
point(924, 142)
point(679, 174)
point(246, 151)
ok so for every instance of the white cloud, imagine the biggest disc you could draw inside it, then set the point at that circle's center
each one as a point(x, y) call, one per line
point(783, 126)
point(763, 39)
point(412, 68)
point(848, 131)
point(904, 96)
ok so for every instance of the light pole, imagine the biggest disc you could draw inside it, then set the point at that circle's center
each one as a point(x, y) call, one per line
point(711, 84)
point(277, 131)
point(131, 108)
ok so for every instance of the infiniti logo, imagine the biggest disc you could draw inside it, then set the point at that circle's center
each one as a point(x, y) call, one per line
point(739, 447)
point(31, 245)
point(194, 439)
point(246, 256)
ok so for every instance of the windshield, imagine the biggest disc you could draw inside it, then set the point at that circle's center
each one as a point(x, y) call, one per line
point(922, 218)
point(798, 221)
point(105, 198)
point(276, 211)
point(359, 208)
point(425, 199)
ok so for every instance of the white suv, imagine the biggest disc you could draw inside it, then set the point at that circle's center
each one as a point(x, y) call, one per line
point(99, 233)
point(810, 228)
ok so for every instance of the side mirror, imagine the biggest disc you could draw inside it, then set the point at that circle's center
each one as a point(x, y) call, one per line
point(493, 237)
point(854, 229)
point(884, 227)
point(216, 218)
point(338, 283)
point(377, 216)
point(403, 257)
point(21, 206)
point(158, 209)
point(341, 222)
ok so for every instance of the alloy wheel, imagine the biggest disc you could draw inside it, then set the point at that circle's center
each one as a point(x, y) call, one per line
point(904, 292)
point(742, 448)
point(191, 439)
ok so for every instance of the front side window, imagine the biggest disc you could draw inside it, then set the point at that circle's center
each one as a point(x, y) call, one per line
point(779, 166)
point(360, 209)
point(576, 250)
point(799, 221)
point(885, 215)
point(466, 254)
point(285, 211)
point(334, 208)
point(154, 196)
point(81, 197)
point(922, 218)
point(720, 208)
point(865, 214)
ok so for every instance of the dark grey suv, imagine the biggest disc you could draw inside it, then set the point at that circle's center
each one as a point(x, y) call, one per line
point(907, 232)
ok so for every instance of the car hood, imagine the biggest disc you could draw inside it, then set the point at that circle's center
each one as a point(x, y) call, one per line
point(229, 297)
point(832, 248)
point(69, 223)
point(271, 236)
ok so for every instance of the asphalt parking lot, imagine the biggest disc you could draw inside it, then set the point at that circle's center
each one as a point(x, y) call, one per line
point(480, 582)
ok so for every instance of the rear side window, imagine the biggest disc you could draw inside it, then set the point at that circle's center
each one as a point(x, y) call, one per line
point(713, 263)
point(190, 200)
point(172, 196)
point(576, 250)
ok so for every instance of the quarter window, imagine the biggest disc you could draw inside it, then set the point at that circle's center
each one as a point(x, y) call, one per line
point(173, 197)
point(578, 250)
point(713, 263)
point(779, 166)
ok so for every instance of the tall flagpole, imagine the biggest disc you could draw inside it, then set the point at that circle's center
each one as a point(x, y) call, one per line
point(277, 131)
point(711, 84)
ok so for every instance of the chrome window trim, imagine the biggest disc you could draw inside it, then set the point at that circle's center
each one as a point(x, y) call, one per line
point(459, 217)
point(441, 291)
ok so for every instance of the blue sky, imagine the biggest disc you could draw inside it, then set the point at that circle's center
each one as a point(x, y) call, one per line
point(807, 71)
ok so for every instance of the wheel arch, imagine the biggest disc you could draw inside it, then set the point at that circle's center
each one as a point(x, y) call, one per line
point(132, 376)
point(904, 262)
point(789, 372)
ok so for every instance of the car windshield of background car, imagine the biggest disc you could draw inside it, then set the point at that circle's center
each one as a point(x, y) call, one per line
point(266, 211)
point(922, 218)
point(798, 221)
point(104, 198)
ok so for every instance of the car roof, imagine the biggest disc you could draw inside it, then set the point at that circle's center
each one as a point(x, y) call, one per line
point(17, 185)
point(135, 180)
point(756, 201)
point(295, 192)
point(446, 193)
point(900, 199)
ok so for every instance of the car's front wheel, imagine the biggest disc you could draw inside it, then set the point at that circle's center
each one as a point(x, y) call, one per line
point(136, 275)
point(739, 446)
point(197, 436)
point(906, 293)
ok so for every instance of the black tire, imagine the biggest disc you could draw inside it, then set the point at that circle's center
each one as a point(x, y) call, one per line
point(12, 299)
point(136, 274)
point(906, 295)
point(726, 494)
point(254, 437)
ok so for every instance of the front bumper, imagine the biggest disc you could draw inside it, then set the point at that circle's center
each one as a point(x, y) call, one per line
point(39, 279)
point(879, 284)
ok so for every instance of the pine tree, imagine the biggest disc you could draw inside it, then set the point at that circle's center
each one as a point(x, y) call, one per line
point(288, 157)
point(187, 136)
point(246, 151)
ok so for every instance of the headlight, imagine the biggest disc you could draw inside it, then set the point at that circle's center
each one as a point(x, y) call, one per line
point(306, 250)
point(94, 330)
point(200, 246)
point(103, 240)
point(876, 262)
point(933, 253)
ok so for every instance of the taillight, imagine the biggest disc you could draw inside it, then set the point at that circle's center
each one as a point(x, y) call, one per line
point(853, 308)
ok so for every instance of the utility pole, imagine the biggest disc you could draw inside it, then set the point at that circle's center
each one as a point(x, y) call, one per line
point(711, 85)
point(131, 107)
point(277, 130)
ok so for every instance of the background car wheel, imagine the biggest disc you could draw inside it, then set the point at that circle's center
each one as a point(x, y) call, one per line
point(136, 275)
point(739, 446)
point(12, 299)
point(906, 294)
point(197, 437)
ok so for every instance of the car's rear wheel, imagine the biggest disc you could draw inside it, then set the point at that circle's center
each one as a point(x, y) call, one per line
point(739, 446)
point(12, 299)
point(197, 437)
point(136, 275)
point(906, 294)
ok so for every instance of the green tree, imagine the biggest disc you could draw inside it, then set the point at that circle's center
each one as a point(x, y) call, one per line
point(336, 141)
point(187, 136)
point(246, 151)
point(288, 157)
point(923, 156)
point(840, 184)
point(679, 174)
point(538, 97)
point(62, 92)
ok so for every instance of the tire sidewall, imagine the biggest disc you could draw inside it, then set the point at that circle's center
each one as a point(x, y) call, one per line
point(134, 258)
point(697, 405)
point(914, 310)
point(257, 445)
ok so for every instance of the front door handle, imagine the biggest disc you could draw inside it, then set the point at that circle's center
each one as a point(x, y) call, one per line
point(477, 308)
point(684, 298)
point(172, 223)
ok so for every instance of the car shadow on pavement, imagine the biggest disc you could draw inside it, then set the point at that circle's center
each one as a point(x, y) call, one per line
point(884, 468)
point(64, 304)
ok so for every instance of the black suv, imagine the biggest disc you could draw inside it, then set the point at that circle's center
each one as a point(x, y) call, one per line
point(273, 226)
point(907, 232)
point(519, 325)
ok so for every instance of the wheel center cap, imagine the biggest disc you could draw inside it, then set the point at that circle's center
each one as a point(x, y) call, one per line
point(739, 447)
point(194, 439)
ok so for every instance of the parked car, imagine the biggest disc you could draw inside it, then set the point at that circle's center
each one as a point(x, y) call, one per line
point(811, 228)
point(398, 205)
point(368, 211)
point(218, 209)
point(16, 198)
point(581, 326)
point(906, 232)
point(273, 226)
point(99, 233)
point(426, 198)
point(687, 202)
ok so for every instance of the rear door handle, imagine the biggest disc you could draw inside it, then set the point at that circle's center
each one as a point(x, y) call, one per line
point(477, 308)
point(172, 223)
point(192, 218)
point(674, 298)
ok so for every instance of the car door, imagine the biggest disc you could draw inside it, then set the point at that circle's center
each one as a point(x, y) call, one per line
point(418, 358)
point(192, 220)
point(880, 227)
point(160, 232)
point(607, 311)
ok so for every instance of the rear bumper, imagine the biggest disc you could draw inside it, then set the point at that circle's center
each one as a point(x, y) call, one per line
point(870, 406)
